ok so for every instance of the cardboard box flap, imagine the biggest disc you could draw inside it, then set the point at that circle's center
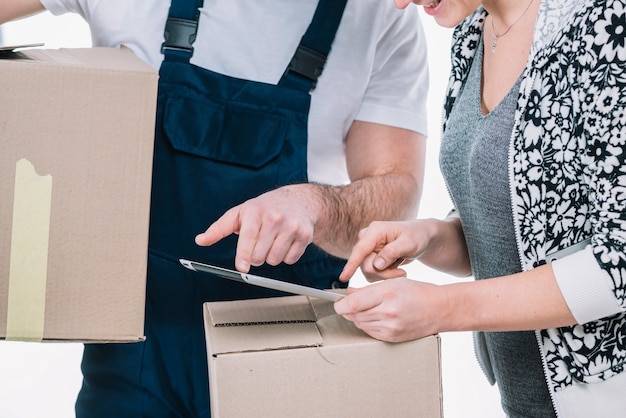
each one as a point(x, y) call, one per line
point(112, 59)
point(250, 325)
point(335, 329)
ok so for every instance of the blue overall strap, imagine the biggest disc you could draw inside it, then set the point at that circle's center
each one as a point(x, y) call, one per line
point(181, 29)
point(308, 62)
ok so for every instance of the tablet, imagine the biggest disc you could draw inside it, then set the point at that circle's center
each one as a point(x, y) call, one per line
point(262, 281)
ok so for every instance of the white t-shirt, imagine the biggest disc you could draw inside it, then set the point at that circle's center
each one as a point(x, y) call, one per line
point(376, 71)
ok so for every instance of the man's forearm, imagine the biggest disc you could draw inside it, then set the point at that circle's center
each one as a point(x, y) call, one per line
point(345, 210)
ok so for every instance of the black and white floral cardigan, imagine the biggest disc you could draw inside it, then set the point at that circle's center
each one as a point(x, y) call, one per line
point(567, 170)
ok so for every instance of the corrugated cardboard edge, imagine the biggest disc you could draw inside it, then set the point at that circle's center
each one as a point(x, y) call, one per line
point(261, 311)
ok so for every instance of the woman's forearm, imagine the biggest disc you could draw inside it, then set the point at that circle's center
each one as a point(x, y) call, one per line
point(523, 301)
point(446, 251)
point(15, 9)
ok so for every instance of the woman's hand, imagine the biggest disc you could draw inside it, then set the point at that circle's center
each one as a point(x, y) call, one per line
point(381, 248)
point(396, 310)
point(384, 246)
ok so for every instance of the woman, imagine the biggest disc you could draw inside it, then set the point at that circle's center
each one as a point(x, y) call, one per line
point(533, 153)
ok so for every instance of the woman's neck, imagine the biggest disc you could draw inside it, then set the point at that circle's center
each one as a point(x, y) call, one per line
point(507, 44)
point(506, 12)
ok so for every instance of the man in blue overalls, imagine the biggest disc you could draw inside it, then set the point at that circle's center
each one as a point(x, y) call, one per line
point(227, 142)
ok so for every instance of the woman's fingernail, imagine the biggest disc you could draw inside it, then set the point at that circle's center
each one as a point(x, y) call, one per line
point(379, 263)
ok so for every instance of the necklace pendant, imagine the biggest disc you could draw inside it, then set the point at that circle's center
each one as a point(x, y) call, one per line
point(494, 41)
point(495, 36)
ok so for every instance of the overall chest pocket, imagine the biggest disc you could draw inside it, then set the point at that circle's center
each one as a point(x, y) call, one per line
point(236, 134)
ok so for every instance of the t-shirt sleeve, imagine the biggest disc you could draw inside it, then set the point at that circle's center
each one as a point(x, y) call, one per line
point(59, 7)
point(398, 88)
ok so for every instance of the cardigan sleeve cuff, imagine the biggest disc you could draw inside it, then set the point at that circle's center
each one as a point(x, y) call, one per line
point(586, 288)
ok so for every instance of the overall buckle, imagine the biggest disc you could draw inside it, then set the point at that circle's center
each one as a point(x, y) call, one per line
point(307, 63)
point(180, 34)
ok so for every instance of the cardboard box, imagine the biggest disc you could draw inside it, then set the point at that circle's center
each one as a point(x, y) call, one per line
point(76, 141)
point(294, 357)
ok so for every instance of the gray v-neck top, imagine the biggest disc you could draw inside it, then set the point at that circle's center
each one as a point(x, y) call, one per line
point(474, 162)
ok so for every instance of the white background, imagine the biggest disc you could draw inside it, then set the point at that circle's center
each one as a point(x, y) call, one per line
point(42, 380)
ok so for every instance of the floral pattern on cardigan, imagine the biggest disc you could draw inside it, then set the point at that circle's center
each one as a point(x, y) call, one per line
point(568, 162)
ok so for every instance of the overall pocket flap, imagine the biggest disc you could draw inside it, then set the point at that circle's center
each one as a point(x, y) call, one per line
point(231, 133)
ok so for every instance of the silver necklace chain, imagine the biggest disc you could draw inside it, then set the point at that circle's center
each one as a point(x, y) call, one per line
point(495, 36)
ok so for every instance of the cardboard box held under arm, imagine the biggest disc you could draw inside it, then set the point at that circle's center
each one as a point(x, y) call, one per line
point(294, 357)
point(76, 141)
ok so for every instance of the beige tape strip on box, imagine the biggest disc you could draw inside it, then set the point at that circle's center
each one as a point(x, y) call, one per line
point(29, 254)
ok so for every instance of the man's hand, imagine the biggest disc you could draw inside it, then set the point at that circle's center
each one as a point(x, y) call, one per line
point(274, 227)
